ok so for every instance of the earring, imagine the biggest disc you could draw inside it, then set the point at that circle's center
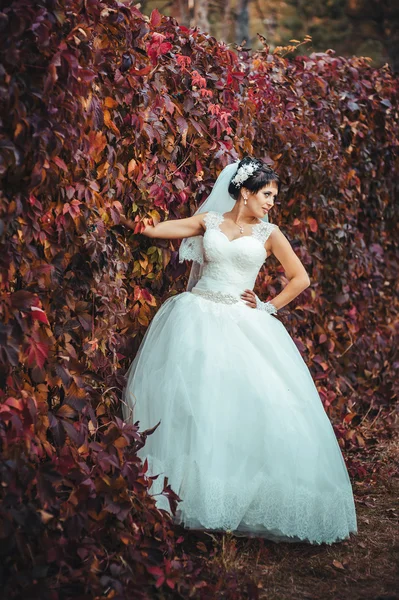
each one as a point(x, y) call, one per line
point(245, 201)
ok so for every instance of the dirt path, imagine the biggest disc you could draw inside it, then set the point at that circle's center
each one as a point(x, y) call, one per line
point(366, 567)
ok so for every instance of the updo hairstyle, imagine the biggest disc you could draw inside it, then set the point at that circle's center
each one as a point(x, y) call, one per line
point(261, 177)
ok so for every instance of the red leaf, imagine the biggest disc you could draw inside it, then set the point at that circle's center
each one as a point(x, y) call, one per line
point(60, 163)
point(155, 18)
point(36, 351)
point(73, 208)
point(39, 314)
point(143, 71)
point(18, 404)
point(312, 224)
point(155, 571)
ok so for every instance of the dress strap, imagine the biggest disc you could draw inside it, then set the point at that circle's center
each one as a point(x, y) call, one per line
point(262, 230)
point(212, 219)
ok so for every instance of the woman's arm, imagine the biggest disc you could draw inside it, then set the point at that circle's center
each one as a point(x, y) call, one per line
point(278, 244)
point(171, 229)
point(295, 271)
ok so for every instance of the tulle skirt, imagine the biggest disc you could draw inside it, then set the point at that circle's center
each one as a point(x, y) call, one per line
point(243, 437)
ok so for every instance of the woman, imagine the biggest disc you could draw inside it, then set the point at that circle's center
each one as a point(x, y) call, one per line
point(243, 436)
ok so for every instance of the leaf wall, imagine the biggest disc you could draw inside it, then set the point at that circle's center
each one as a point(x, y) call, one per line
point(104, 111)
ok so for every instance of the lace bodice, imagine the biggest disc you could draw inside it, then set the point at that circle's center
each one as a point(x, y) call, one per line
point(232, 265)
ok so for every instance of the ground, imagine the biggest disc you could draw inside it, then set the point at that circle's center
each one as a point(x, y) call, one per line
point(365, 567)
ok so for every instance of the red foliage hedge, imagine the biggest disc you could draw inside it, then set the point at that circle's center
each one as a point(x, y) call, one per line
point(106, 110)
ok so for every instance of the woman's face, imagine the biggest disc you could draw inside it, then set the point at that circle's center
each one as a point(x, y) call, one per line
point(261, 202)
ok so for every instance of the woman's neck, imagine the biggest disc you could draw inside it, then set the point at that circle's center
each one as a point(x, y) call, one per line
point(240, 214)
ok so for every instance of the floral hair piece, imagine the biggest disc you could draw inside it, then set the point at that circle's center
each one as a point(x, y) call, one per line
point(243, 173)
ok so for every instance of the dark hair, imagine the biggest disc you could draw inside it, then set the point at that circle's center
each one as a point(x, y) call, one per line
point(262, 176)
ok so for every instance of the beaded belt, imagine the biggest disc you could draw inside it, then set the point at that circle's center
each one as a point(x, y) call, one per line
point(217, 296)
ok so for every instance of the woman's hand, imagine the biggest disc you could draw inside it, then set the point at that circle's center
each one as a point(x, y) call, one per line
point(126, 222)
point(249, 297)
point(149, 226)
point(148, 222)
point(252, 300)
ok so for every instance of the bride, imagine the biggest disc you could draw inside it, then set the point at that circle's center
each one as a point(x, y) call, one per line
point(242, 434)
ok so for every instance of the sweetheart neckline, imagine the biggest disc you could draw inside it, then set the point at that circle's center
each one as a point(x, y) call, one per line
point(237, 238)
point(240, 238)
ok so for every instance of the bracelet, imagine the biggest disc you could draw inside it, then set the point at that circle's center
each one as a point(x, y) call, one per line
point(266, 306)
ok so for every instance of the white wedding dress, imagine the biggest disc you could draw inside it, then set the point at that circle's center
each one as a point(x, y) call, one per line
point(244, 438)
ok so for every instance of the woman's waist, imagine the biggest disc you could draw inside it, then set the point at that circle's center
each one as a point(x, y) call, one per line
point(219, 291)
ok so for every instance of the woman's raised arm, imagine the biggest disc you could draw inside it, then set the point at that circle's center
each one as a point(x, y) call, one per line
point(171, 229)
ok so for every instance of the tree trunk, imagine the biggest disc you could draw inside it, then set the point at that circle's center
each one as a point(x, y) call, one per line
point(376, 20)
point(201, 15)
point(225, 33)
point(242, 28)
point(179, 11)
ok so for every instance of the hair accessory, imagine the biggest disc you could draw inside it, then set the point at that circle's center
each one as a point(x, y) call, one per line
point(244, 172)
